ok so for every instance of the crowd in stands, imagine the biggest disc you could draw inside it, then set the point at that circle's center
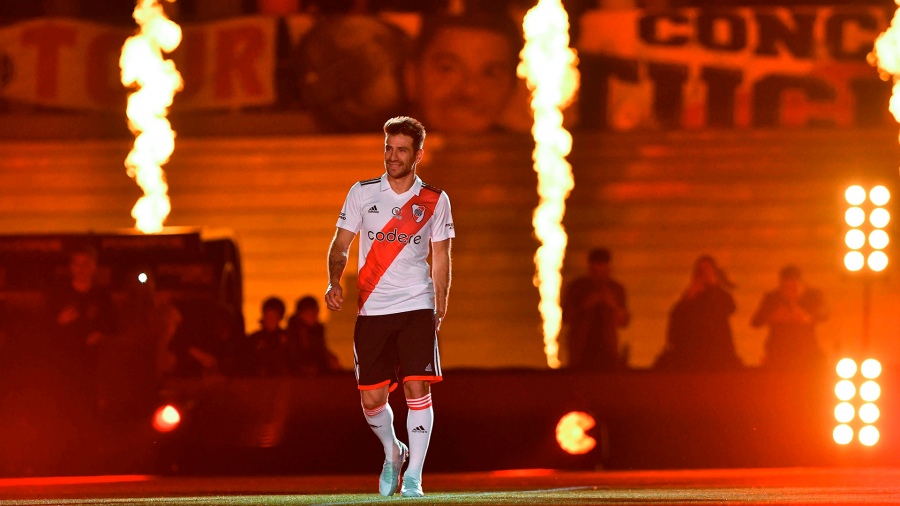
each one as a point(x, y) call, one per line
point(115, 348)
point(698, 332)
point(209, 340)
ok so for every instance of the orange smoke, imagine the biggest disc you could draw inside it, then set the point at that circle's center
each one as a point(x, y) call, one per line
point(155, 82)
point(548, 65)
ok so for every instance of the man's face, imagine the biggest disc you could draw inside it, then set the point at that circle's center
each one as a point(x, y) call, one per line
point(400, 157)
point(465, 78)
point(309, 316)
point(271, 319)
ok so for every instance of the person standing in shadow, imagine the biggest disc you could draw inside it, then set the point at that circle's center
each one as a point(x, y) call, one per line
point(311, 354)
point(84, 316)
point(594, 307)
point(270, 346)
point(133, 362)
point(698, 336)
point(791, 312)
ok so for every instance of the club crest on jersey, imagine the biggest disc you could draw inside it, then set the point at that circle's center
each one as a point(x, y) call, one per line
point(418, 212)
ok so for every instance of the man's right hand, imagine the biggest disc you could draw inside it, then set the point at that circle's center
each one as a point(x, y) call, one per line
point(334, 297)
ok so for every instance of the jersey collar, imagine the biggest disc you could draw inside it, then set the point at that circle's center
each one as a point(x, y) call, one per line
point(416, 187)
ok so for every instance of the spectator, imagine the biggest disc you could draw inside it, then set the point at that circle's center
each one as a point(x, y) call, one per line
point(463, 72)
point(134, 360)
point(83, 314)
point(699, 337)
point(594, 308)
point(791, 312)
point(270, 346)
point(204, 343)
point(311, 354)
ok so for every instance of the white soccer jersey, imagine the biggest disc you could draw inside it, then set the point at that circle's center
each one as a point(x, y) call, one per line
point(395, 232)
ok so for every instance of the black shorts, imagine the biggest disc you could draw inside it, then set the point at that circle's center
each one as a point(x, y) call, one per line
point(392, 346)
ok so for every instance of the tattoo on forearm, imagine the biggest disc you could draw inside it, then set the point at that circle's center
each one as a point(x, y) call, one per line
point(337, 262)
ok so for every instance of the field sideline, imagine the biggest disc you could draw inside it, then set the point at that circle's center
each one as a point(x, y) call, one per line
point(537, 486)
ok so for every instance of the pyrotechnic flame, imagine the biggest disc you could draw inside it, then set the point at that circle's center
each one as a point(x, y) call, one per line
point(886, 56)
point(548, 65)
point(156, 81)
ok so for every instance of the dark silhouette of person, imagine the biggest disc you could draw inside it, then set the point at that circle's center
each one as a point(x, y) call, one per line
point(311, 355)
point(270, 346)
point(594, 307)
point(134, 361)
point(698, 337)
point(204, 343)
point(84, 316)
point(791, 312)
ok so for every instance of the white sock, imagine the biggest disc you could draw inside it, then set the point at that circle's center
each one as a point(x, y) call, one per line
point(419, 421)
point(381, 420)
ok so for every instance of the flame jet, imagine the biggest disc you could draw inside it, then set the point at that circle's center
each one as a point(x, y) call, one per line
point(155, 82)
point(886, 56)
point(549, 66)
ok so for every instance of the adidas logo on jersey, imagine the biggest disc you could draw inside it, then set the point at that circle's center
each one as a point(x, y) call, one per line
point(373, 209)
point(420, 429)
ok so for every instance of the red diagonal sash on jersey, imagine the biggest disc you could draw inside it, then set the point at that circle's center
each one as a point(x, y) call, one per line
point(383, 253)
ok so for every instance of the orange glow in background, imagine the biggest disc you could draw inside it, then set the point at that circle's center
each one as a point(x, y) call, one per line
point(155, 81)
point(549, 66)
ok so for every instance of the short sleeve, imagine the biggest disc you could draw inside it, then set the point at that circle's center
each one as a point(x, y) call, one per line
point(443, 220)
point(350, 217)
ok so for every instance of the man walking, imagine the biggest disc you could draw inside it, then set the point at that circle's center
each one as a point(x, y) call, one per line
point(402, 300)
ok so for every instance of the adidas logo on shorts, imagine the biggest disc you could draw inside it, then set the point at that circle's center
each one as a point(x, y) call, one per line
point(373, 209)
point(429, 369)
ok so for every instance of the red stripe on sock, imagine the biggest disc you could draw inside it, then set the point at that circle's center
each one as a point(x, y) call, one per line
point(373, 412)
point(420, 403)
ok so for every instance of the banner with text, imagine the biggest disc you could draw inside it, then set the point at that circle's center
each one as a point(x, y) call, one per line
point(73, 64)
point(740, 67)
point(682, 68)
